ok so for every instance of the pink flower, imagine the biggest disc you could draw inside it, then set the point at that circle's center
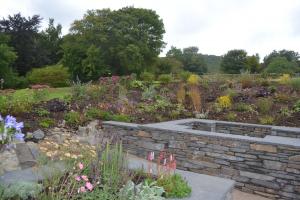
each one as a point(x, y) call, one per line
point(151, 156)
point(80, 165)
point(82, 189)
point(89, 186)
point(85, 178)
point(77, 178)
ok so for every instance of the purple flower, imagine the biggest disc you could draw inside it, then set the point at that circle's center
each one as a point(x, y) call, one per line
point(19, 136)
point(10, 121)
point(19, 126)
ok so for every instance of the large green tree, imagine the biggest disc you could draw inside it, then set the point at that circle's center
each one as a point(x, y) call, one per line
point(252, 64)
point(282, 65)
point(190, 58)
point(119, 42)
point(7, 57)
point(291, 56)
point(23, 34)
point(49, 45)
point(234, 61)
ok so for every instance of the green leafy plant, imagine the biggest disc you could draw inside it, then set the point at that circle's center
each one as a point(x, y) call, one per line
point(21, 190)
point(296, 106)
point(147, 76)
point(55, 76)
point(41, 112)
point(231, 116)
point(40, 95)
point(264, 105)
point(175, 186)
point(73, 118)
point(285, 112)
point(149, 92)
point(295, 83)
point(93, 113)
point(120, 118)
point(142, 191)
point(243, 107)
point(165, 78)
point(266, 120)
point(46, 123)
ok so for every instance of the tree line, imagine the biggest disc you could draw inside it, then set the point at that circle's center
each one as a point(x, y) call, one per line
point(115, 42)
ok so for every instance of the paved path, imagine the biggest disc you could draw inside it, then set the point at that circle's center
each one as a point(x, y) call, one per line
point(238, 195)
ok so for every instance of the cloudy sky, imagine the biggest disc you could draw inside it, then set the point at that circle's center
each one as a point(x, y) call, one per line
point(215, 26)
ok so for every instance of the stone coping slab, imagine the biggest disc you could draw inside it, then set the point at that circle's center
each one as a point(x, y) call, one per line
point(204, 187)
point(180, 126)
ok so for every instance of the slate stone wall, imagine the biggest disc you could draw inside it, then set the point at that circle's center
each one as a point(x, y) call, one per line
point(267, 169)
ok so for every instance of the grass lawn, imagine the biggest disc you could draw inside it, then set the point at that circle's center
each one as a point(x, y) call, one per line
point(49, 93)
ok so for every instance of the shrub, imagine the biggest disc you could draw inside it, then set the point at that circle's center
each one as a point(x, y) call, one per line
point(231, 116)
point(284, 79)
point(22, 190)
point(266, 120)
point(184, 75)
point(281, 97)
point(272, 89)
point(41, 112)
point(175, 186)
point(286, 112)
point(181, 93)
point(295, 84)
point(73, 118)
point(195, 96)
point(231, 93)
point(93, 113)
point(264, 105)
point(224, 102)
point(121, 118)
point(296, 106)
point(46, 123)
point(142, 191)
point(243, 107)
point(165, 78)
point(4, 104)
point(193, 79)
point(147, 76)
point(55, 76)
point(246, 80)
point(149, 92)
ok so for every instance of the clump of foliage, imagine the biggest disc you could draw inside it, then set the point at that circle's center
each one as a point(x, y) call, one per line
point(231, 116)
point(165, 78)
point(264, 105)
point(73, 118)
point(281, 65)
point(142, 191)
point(121, 118)
point(184, 75)
point(147, 76)
point(193, 79)
point(246, 80)
point(41, 112)
point(285, 79)
point(54, 76)
point(21, 190)
point(175, 186)
point(149, 92)
point(224, 102)
point(295, 83)
point(93, 113)
point(46, 123)
point(267, 120)
point(181, 94)
point(285, 112)
point(296, 106)
point(243, 107)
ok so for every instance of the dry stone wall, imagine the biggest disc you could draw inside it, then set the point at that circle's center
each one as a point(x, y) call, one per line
point(268, 166)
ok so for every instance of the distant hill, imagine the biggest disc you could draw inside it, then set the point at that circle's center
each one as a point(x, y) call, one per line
point(213, 63)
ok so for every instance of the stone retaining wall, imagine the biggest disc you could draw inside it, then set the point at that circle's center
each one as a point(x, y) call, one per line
point(268, 166)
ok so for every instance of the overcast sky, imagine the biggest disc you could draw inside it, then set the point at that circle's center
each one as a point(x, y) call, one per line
point(215, 26)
